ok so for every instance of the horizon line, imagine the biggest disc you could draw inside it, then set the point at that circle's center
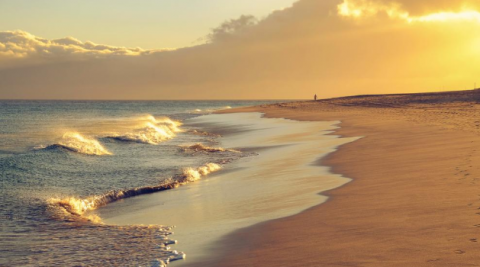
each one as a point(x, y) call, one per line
point(145, 100)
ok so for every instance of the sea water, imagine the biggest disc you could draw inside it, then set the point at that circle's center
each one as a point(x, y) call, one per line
point(62, 160)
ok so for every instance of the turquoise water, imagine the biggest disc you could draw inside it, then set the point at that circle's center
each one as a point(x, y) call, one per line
point(61, 159)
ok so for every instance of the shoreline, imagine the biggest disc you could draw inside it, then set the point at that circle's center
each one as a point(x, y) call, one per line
point(412, 202)
point(253, 188)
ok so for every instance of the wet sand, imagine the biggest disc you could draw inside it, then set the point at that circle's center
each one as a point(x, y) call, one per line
point(415, 195)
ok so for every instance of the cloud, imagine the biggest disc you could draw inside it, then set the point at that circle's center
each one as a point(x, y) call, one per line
point(232, 27)
point(23, 45)
point(309, 48)
point(360, 9)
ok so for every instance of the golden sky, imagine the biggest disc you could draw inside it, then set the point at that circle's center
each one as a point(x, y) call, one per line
point(150, 24)
point(328, 47)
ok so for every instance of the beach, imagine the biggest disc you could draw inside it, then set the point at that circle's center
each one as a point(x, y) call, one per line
point(414, 199)
point(279, 133)
point(385, 180)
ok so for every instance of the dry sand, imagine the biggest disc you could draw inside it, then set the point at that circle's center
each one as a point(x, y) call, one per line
point(414, 200)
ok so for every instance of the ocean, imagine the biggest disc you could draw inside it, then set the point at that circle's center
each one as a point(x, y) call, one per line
point(60, 159)
point(145, 183)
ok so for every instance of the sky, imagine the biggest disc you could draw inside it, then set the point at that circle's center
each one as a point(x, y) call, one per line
point(152, 49)
point(150, 24)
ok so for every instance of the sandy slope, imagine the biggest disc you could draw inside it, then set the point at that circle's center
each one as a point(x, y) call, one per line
point(414, 200)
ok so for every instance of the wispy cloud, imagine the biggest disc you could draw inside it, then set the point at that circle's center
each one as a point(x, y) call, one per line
point(22, 45)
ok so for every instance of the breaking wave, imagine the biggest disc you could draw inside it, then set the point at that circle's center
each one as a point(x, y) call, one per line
point(151, 131)
point(146, 129)
point(77, 143)
point(78, 206)
point(203, 148)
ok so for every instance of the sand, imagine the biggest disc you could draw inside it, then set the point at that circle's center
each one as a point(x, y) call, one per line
point(414, 200)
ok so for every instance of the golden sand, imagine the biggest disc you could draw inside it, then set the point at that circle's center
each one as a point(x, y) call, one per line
point(414, 200)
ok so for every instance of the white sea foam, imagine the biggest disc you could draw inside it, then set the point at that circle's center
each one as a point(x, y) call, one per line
point(191, 175)
point(78, 143)
point(208, 111)
point(203, 148)
point(202, 133)
point(150, 130)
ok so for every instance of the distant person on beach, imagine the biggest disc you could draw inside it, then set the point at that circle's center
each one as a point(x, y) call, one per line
point(315, 97)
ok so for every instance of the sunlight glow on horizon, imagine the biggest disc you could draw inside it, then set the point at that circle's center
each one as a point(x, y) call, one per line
point(349, 8)
point(445, 16)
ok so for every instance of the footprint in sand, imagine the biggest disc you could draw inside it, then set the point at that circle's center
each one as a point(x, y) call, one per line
point(459, 251)
point(473, 240)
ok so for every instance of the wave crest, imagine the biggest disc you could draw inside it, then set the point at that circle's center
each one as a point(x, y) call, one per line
point(78, 207)
point(75, 142)
point(151, 130)
point(191, 175)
